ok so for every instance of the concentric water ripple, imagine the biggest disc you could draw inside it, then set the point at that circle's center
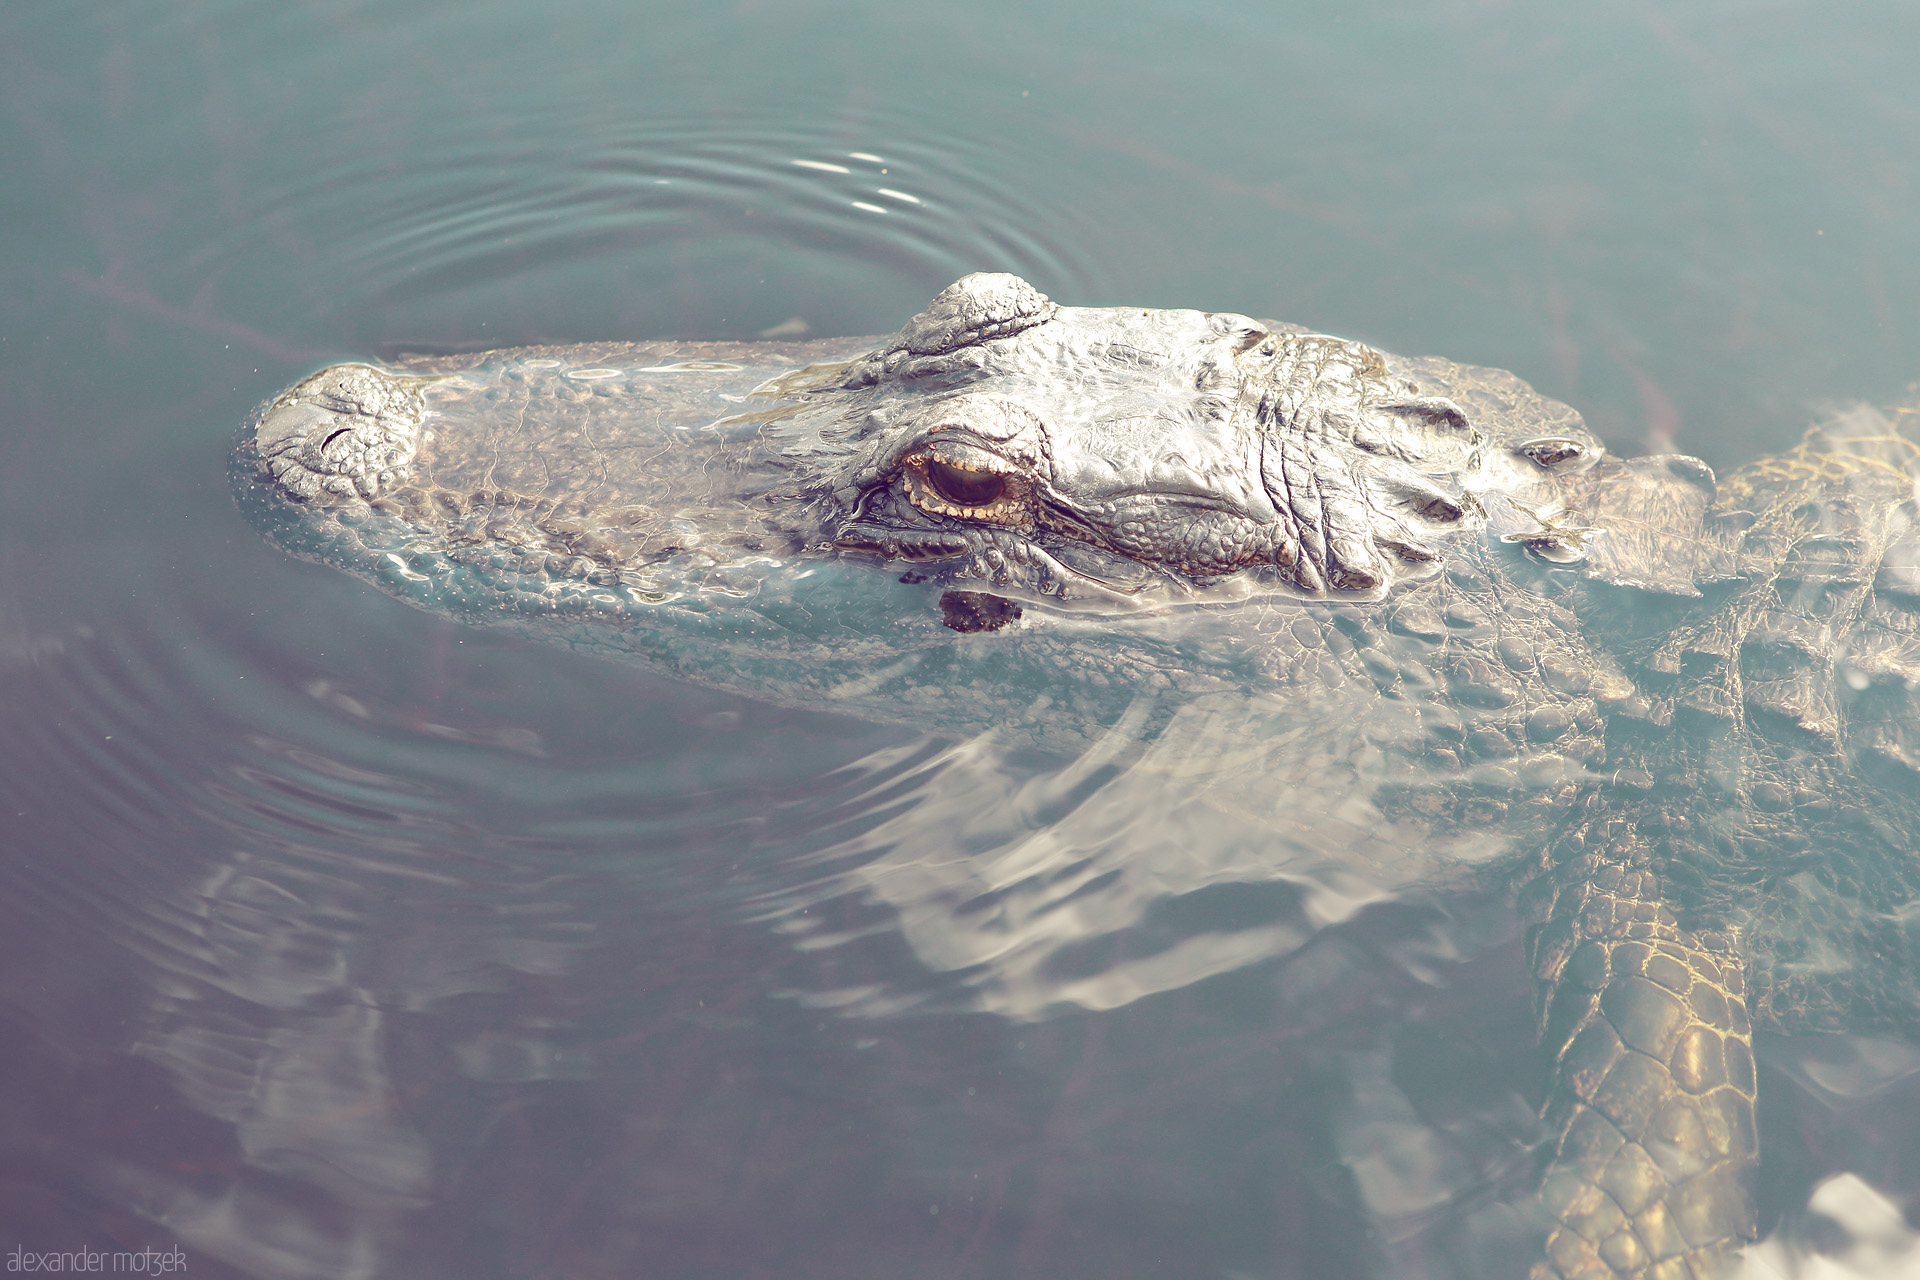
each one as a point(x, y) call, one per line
point(676, 211)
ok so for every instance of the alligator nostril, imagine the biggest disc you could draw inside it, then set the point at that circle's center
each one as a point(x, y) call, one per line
point(299, 435)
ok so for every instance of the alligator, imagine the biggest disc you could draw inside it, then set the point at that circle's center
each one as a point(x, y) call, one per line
point(1674, 716)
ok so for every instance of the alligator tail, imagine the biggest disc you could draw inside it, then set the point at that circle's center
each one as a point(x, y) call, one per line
point(1649, 1106)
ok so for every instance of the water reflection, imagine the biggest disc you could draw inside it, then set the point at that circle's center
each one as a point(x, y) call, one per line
point(1143, 866)
point(1849, 1231)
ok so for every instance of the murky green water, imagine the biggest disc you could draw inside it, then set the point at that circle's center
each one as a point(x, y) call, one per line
point(338, 941)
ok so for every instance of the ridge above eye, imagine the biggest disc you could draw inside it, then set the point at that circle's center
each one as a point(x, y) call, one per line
point(963, 487)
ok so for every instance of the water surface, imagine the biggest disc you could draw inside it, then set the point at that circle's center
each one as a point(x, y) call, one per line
point(339, 941)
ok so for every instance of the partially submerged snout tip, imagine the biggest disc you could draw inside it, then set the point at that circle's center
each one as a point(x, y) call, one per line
point(348, 431)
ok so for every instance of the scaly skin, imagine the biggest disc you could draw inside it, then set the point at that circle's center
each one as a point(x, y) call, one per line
point(1650, 1100)
point(1678, 716)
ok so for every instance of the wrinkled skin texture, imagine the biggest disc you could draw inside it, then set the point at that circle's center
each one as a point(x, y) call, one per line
point(1675, 716)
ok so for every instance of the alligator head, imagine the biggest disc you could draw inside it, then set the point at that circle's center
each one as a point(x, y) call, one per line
point(812, 524)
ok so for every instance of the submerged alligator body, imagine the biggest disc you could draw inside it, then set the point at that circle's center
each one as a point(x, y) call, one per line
point(1676, 716)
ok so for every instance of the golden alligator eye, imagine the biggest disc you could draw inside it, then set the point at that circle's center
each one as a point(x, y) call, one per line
point(964, 488)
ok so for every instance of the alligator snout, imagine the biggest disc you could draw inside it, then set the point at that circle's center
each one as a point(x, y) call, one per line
point(350, 430)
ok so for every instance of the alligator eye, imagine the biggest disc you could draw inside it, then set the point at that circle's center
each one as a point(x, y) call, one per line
point(964, 488)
